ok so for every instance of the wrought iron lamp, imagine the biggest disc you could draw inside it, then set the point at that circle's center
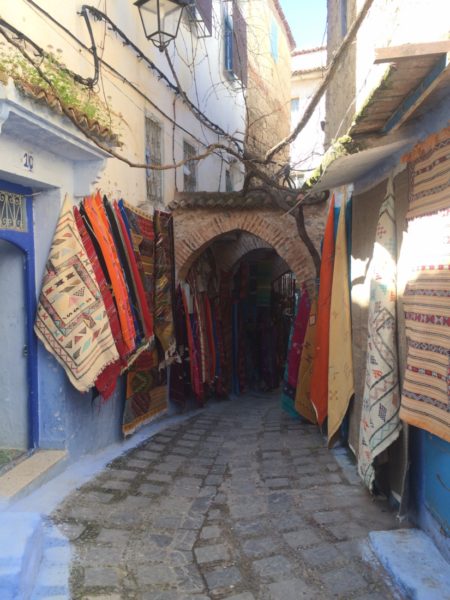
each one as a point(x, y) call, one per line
point(161, 19)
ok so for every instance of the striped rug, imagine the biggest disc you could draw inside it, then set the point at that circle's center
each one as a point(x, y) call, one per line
point(425, 398)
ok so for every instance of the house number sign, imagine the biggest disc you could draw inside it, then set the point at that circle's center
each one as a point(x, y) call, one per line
point(28, 161)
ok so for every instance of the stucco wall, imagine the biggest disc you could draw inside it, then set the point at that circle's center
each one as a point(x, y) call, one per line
point(268, 91)
point(388, 23)
point(209, 88)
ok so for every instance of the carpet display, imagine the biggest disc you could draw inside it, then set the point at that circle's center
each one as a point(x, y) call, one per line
point(425, 395)
point(340, 362)
point(319, 377)
point(146, 395)
point(380, 423)
point(71, 320)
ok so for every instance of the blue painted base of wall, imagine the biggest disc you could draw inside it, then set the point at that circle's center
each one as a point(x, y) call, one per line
point(430, 487)
point(413, 562)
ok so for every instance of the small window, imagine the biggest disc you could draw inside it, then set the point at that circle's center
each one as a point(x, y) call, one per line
point(274, 40)
point(295, 105)
point(153, 154)
point(228, 181)
point(189, 168)
point(235, 43)
point(228, 44)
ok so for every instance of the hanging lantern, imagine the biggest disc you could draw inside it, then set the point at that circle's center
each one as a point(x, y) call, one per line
point(161, 19)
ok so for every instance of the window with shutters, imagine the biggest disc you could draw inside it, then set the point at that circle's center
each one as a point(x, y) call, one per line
point(189, 168)
point(200, 13)
point(235, 42)
point(153, 154)
point(228, 181)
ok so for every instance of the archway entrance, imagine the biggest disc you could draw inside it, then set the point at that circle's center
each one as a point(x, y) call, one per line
point(235, 307)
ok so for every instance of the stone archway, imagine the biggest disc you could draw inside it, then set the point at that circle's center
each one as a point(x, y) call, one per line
point(196, 228)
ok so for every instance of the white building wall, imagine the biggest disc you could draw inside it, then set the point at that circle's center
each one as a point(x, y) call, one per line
point(198, 63)
point(393, 23)
point(308, 148)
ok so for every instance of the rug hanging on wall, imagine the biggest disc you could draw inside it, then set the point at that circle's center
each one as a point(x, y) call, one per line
point(319, 377)
point(71, 319)
point(380, 423)
point(425, 401)
point(146, 396)
point(303, 404)
point(164, 291)
point(340, 358)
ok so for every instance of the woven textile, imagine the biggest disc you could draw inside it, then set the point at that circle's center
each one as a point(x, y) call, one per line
point(194, 349)
point(319, 377)
point(340, 360)
point(107, 380)
point(380, 422)
point(99, 222)
point(136, 281)
point(164, 265)
point(71, 319)
point(425, 396)
point(303, 404)
point(140, 227)
point(146, 397)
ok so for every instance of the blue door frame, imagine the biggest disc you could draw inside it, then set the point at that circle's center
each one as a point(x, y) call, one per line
point(25, 242)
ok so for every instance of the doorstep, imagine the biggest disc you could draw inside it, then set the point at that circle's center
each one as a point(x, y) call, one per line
point(413, 562)
point(30, 473)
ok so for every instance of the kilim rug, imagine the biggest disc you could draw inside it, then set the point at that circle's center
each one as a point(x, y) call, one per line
point(107, 380)
point(380, 422)
point(340, 359)
point(71, 319)
point(164, 264)
point(425, 396)
point(99, 222)
point(303, 404)
point(319, 377)
point(140, 226)
point(146, 397)
point(136, 281)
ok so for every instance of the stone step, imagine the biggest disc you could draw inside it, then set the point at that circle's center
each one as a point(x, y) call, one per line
point(414, 563)
point(30, 473)
point(21, 550)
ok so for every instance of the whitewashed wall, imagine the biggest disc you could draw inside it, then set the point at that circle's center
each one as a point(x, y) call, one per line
point(199, 63)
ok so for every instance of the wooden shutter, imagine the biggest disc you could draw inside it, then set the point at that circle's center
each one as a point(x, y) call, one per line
point(204, 7)
point(239, 44)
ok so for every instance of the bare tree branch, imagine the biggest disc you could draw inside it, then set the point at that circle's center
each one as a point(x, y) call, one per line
point(331, 69)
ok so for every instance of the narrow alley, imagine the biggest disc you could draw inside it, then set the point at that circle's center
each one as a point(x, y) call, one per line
point(239, 502)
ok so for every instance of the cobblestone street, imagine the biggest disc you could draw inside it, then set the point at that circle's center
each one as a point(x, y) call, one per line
point(239, 502)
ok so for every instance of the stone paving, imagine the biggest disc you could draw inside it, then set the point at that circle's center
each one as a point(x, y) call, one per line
point(240, 502)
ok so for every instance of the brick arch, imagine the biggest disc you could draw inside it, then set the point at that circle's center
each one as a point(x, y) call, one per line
point(196, 229)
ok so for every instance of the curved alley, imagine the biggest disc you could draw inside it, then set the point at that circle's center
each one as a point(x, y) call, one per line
point(238, 502)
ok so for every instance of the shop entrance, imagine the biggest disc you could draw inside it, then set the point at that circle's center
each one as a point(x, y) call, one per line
point(234, 313)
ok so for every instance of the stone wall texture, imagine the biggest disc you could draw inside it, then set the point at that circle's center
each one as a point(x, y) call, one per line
point(196, 229)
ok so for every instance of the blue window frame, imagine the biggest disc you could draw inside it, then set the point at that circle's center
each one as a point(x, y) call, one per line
point(228, 44)
point(20, 234)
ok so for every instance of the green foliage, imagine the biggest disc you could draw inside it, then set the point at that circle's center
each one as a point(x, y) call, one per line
point(63, 87)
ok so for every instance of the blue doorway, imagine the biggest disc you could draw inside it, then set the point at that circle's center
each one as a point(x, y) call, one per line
point(19, 431)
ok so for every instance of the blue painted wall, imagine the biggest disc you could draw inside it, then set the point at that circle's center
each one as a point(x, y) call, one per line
point(430, 486)
point(67, 419)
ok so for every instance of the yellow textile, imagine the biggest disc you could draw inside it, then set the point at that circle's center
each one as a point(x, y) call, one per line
point(303, 404)
point(340, 362)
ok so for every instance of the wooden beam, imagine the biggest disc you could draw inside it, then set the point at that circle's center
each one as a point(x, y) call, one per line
point(415, 98)
point(396, 53)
